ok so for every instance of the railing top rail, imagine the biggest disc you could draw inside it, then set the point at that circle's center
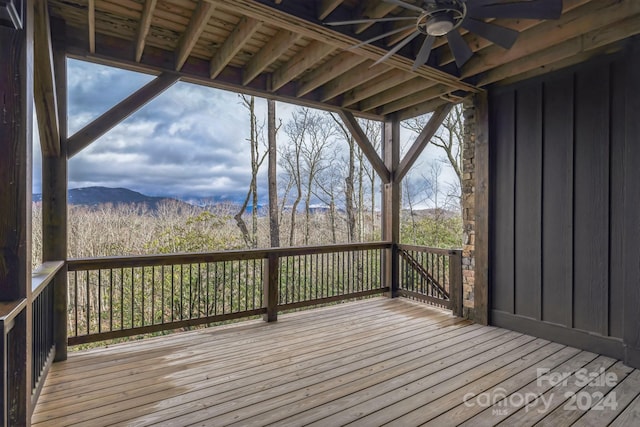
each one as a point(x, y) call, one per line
point(189, 258)
point(438, 251)
point(44, 274)
point(9, 310)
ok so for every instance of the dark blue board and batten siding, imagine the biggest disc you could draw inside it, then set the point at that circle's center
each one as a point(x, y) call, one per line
point(565, 209)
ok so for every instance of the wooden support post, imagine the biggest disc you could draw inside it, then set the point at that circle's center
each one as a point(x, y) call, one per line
point(481, 273)
point(391, 203)
point(16, 115)
point(270, 293)
point(54, 201)
point(455, 281)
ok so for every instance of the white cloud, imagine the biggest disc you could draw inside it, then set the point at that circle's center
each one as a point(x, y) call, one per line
point(191, 140)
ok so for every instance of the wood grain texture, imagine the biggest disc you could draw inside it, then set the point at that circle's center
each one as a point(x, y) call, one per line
point(391, 203)
point(502, 119)
point(591, 200)
point(632, 211)
point(617, 255)
point(351, 363)
point(528, 201)
point(557, 201)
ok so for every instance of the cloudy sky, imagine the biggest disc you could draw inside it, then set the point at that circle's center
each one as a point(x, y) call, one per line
point(189, 141)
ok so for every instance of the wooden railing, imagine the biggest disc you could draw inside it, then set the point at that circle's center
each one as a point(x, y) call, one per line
point(43, 319)
point(14, 326)
point(431, 275)
point(119, 297)
point(13, 392)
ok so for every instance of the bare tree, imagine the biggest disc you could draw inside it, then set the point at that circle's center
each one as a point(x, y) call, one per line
point(274, 219)
point(296, 129)
point(349, 187)
point(317, 155)
point(251, 238)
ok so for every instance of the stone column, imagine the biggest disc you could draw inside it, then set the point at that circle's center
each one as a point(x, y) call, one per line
point(468, 202)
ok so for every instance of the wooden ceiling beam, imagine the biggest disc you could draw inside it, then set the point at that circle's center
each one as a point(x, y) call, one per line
point(245, 29)
point(299, 63)
point(477, 43)
point(45, 95)
point(379, 84)
point(413, 99)
point(591, 16)
point(397, 92)
point(422, 140)
point(91, 24)
point(326, 7)
point(571, 61)
point(341, 41)
point(116, 52)
point(396, 38)
point(374, 10)
point(94, 130)
point(426, 107)
point(145, 26)
point(274, 48)
point(358, 75)
point(197, 24)
point(328, 71)
point(590, 41)
point(365, 145)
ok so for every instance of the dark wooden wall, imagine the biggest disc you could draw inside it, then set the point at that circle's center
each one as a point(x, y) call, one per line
point(565, 212)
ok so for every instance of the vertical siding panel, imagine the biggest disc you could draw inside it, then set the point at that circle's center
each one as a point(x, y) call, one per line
point(632, 212)
point(591, 208)
point(503, 163)
point(557, 214)
point(528, 201)
point(616, 188)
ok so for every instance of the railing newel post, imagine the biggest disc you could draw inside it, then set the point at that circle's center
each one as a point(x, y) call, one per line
point(60, 304)
point(270, 287)
point(455, 281)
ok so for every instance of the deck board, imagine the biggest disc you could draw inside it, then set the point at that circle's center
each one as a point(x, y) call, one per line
point(365, 363)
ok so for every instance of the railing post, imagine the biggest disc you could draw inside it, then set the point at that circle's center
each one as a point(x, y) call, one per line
point(4, 365)
point(270, 287)
point(455, 281)
point(60, 303)
point(394, 271)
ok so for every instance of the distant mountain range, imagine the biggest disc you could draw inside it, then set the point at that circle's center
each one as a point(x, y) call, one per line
point(94, 196)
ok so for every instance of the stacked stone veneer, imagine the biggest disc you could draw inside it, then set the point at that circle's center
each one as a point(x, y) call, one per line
point(468, 203)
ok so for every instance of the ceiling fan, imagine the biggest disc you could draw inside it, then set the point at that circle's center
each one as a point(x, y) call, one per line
point(443, 18)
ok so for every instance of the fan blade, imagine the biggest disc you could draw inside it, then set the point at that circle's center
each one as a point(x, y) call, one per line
point(397, 47)
point(502, 36)
point(405, 5)
point(381, 36)
point(425, 51)
point(530, 9)
point(461, 51)
point(365, 21)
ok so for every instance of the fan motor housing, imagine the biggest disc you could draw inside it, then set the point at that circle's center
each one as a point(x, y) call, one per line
point(441, 17)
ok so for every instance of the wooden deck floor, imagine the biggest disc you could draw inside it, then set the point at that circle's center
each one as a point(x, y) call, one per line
point(366, 363)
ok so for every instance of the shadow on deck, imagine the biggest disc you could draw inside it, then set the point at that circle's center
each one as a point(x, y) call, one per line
point(368, 363)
